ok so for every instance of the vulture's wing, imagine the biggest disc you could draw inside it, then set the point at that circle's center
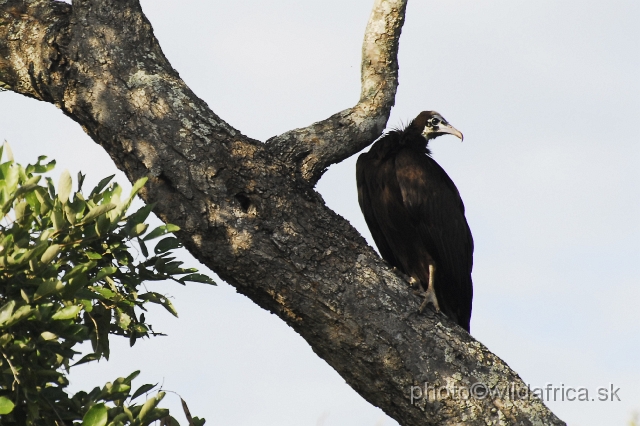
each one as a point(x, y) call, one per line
point(437, 212)
point(366, 179)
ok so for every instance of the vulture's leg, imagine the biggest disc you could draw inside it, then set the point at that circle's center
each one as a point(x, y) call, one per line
point(430, 294)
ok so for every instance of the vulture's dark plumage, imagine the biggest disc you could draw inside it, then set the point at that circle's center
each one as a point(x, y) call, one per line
point(416, 215)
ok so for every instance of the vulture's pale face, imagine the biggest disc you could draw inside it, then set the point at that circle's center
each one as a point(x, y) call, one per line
point(436, 126)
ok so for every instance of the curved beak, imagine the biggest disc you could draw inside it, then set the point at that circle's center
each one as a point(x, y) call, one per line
point(447, 128)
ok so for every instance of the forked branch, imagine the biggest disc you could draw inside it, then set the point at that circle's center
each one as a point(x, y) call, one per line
point(330, 141)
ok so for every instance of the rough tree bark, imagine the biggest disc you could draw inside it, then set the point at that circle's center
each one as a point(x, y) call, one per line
point(248, 209)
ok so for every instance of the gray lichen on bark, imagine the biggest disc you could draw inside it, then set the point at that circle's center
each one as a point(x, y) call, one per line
point(248, 209)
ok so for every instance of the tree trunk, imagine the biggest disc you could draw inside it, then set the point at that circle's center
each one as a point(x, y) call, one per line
point(248, 209)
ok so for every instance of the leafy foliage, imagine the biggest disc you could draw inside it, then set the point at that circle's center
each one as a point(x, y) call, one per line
point(67, 275)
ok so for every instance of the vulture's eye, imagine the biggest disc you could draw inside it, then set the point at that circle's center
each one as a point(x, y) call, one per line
point(435, 121)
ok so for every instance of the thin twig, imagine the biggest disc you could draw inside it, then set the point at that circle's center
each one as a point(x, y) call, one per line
point(55, 411)
point(13, 370)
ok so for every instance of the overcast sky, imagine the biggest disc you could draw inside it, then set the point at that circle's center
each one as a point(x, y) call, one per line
point(548, 97)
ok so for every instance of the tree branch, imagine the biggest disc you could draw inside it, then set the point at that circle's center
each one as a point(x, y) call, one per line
point(312, 149)
point(245, 211)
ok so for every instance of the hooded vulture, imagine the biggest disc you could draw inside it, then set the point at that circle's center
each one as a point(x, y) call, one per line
point(416, 216)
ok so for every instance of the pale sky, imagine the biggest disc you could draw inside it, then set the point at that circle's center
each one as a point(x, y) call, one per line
point(548, 97)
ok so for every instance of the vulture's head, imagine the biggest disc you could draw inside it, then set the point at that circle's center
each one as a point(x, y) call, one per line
point(431, 125)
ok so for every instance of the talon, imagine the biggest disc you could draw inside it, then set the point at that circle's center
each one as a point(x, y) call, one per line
point(413, 282)
point(430, 294)
point(429, 297)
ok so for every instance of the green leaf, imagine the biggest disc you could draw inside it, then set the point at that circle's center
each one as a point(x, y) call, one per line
point(27, 187)
point(143, 248)
point(138, 185)
point(107, 270)
point(140, 216)
point(24, 296)
point(47, 335)
point(35, 251)
point(112, 390)
point(77, 207)
point(198, 278)
point(21, 313)
point(6, 311)
point(121, 388)
point(161, 230)
point(58, 218)
point(64, 187)
point(33, 180)
point(50, 253)
point(49, 286)
point(131, 376)
point(5, 338)
point(155, 414)
point(134, 190)
point(102, 226)
point(143, 389)
point(100, 186)
point(137, 230)
point(168, 267)
point(6, 405)
point(96, 416)
point(171, 421)
point(21, 211)
point(128, 413)
point(69, 214)
point(74, 284)
point(104, 292)
point(197, 421)
point(167, 244)
point(80, 269)
point(122, 319)
point(87, 358)
point(69, 312)
point(6, 244)
point(51, 187)
point(149, 405)
point(44, 200)
point(80, 180)
point(169, 307)
point(7, 150)
point(172, 228)
point(93, 255)
point(160, 300)
point(40, 168)
point(97, 211)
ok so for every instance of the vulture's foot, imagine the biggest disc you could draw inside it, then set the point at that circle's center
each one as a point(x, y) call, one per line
point(414, 283)
point(430, 294)
point(429, 298)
